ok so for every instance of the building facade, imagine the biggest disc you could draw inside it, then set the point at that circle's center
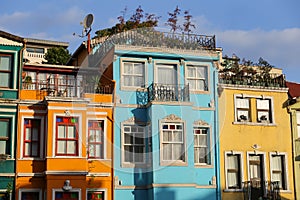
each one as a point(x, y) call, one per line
point(293, 107)
point(165, 117)
point(11, 48)
point(64, 142)
point(255, 136)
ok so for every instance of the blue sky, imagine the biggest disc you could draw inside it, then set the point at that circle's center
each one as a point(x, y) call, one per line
point(251, 29)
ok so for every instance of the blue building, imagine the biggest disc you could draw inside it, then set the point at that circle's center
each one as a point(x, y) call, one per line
point(11, 48)
point(165, 114)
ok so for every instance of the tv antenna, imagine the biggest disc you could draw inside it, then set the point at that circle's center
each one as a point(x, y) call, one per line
point(87, 23)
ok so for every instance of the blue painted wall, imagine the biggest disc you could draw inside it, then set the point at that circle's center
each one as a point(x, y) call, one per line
point(154, 175)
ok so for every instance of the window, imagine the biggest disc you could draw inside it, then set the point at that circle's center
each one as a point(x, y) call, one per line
point(133, 74)
point(30, 196)
point(233, 170)
point(263, 110)
point(35, 50)
point(166, 74)
point(97, 195)
point(134, 143)
point(96, 139)
point(67, 195)
point(201, 144)
point(5, 70)
point(242, 109)
point(31, 138)
point(173, 145)
point(278, 168)
point(298, 123)
point(4, 135)
point(197, 77)
point(67, 136)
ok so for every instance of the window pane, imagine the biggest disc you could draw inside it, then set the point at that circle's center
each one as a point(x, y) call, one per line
point(167, 136)
point(139, 154)
point(71, 147)
point(35, 134)
point(92, 137)
point(98, 136)
point(177, 136)
point(61, 147)
point(127, 81)
point(30, 196)
point(61, 132)
point(2, 147)
point(71, 132)
point(5, 63)
point(128, 153)
point(232, 180)
point(262, 104)
point(35, 149)
point(92, 150)
point(191, 72)
point(177, 151)
point(127, 68)
point(128, 139)
point(201, 72)
point(167, 151)
point(4, 79)
point(98, 150)
point(242, 103)
point(27, 134)
point(4, 126)
point(27, 149)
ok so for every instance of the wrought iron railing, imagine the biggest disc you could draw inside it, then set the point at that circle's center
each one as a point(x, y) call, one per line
point(161, 92)
point(266, 190)
point(270, 80)
point(150, 38)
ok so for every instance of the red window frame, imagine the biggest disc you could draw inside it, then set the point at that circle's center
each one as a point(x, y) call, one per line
point(66, 121)
point(96, 125)
point(32, 124)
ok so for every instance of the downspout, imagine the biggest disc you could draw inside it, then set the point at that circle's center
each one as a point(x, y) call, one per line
point(291, 114)
point(112, 140)
point(217, 138)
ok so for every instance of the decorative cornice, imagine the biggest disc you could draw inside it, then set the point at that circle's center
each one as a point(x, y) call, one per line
point(172, 117)
point(201, 123)
point(134, 120)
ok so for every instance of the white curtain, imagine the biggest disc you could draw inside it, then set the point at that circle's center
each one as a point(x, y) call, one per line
point(166, 74)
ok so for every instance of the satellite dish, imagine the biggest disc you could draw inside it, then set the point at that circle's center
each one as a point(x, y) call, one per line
point(88, 20)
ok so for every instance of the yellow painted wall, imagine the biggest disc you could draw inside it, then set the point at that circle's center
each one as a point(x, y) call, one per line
point(240, 137)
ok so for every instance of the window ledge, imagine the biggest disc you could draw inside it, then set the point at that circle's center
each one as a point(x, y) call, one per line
point(233, 190)
point(254, 123)
point(135, 165)
point(198, 165)
point(31, 158)
point(173, 163)
point(285, 191)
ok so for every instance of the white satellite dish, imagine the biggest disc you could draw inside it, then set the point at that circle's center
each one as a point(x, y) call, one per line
point(87, 21)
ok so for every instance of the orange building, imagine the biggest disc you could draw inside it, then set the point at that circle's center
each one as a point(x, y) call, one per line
point(64, 142)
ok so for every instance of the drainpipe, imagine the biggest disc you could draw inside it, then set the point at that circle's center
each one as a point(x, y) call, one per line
point(217, 137)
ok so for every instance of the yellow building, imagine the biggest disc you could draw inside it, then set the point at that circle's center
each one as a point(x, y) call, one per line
point(255, 136)
point(65, 126)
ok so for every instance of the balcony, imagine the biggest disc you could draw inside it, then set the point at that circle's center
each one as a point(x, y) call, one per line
point(271, 80)
point(165, 93)
point(148, 37)
point(266, 190)
point(64, 88)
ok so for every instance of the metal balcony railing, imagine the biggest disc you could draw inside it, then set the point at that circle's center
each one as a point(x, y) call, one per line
point(271, 80)
point(266, 190)
point(148, 37)
point(67, 87)
point(161, 92)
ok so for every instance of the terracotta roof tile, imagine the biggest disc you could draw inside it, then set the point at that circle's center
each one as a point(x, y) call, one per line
point(294, 89)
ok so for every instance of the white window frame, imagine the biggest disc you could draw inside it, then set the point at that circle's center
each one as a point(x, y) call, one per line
point(104, 137)
point(61, 190)
point(240, 110)
point(146, 135)
point(42, 133)
point(252, 105)
point(298, 123)
point(263, 154)
point(21, 190)
point(208, 144)
point(241, 174)
point(285, 168)
point(122, 73)
point(260, 111)
point(206, 78)
point(158, 63)
point(97, 190)
point(173, 121)
point(79, 116)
